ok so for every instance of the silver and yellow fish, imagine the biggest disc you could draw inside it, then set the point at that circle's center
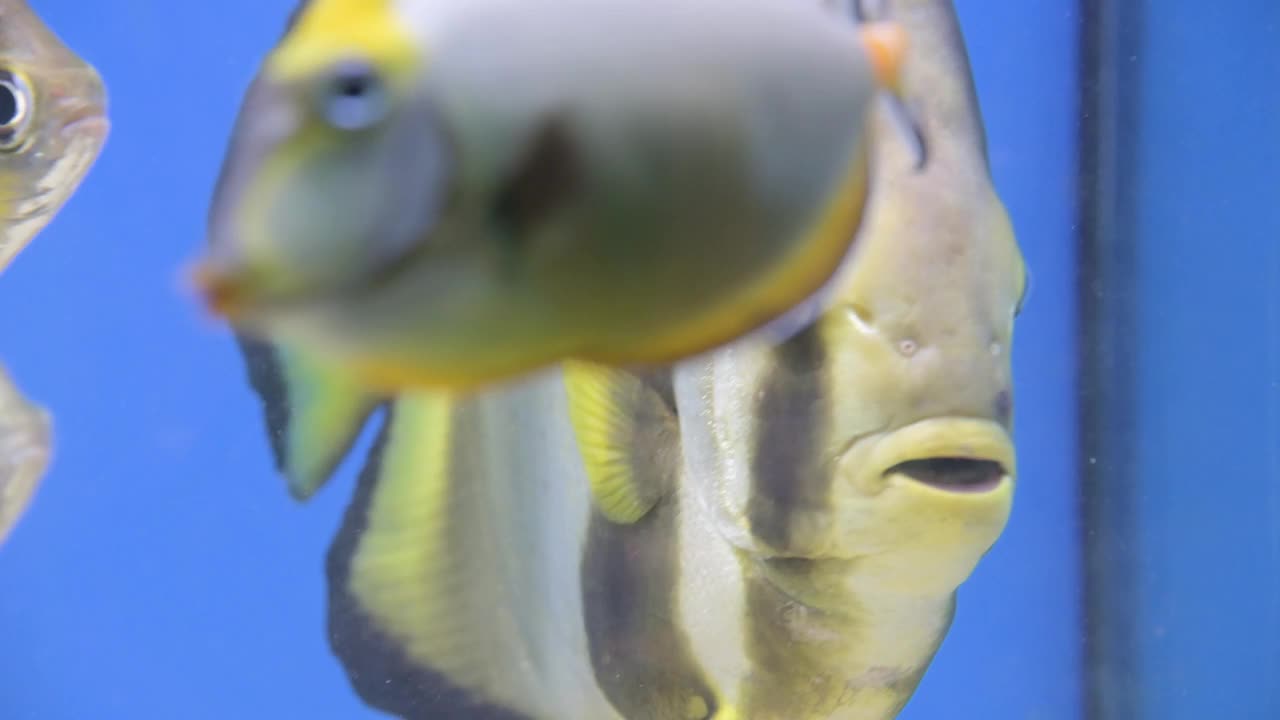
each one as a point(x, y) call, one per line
point(448, 193)
point(52, 128)
point(772, 532)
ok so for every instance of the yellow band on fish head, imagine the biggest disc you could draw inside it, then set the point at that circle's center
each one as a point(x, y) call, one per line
point(331, 29)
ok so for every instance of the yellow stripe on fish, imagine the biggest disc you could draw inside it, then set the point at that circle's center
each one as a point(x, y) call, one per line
point(325, 30)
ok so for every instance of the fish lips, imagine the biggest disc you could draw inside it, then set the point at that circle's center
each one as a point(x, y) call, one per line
point(952, 455)
point(928, 501)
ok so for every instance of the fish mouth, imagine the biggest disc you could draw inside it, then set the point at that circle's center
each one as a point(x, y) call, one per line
point(86, 119)
point(952, 474)
point(951, 455)
point(223, 293)
point(240, 295)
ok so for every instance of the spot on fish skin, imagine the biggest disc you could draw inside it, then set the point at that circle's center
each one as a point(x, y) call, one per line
point(862, 316)
point(908, 347)
point(544, 180)
point(996, 349)
point(1004, 406)
point(696, 708)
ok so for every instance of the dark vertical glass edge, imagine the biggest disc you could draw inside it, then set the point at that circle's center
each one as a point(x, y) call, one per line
point(1107, 341)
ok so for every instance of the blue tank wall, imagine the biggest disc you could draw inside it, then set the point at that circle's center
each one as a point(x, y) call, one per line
point(164, 572)
point(1207, 233)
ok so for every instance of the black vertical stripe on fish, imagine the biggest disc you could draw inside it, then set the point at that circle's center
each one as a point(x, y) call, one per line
point(790, 477)
point(630, 582)
point(378, 668)
point(641, 656)
point(787, 679)
point(799, 653)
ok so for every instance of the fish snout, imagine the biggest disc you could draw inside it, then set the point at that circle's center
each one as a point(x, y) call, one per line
point(80, 104)
point(225, 290)
point(927, 501)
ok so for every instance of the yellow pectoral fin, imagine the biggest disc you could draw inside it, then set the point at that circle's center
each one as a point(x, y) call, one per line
point(627, 435)
point(313, 412)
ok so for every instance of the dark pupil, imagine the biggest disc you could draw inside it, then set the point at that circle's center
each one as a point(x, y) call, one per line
point(353, 86)
point(8, 104)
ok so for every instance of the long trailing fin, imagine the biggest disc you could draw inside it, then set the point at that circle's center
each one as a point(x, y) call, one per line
point(453, 582)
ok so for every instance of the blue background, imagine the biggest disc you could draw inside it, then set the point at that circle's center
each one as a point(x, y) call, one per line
point(163, 571)
point(1207, 229)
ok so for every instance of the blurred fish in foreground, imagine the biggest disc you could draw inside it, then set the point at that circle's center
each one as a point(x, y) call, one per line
point(52, 128)
point(449, 193)
point(772, 532)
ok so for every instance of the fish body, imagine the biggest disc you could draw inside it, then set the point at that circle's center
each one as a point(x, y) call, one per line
point(769, 532)
point(26, 444)
point(429, 194)
point(52, 127)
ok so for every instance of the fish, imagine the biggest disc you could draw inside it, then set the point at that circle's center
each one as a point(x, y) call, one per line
point(26, 444)
point(867, 465)
point(53, 124)
point(447, 195)
point(772, 531)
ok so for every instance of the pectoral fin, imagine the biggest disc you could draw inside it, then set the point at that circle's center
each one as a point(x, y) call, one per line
point(624, 423)
point(313, 413)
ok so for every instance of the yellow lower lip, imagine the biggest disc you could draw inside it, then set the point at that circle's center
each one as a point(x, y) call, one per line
point(870, 462)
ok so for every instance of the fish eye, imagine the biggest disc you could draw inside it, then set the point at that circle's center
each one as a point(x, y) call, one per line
point(15, 110)
point(353, 97)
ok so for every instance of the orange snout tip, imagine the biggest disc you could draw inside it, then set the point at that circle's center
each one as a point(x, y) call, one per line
point(221, 292)
point(886, 44)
